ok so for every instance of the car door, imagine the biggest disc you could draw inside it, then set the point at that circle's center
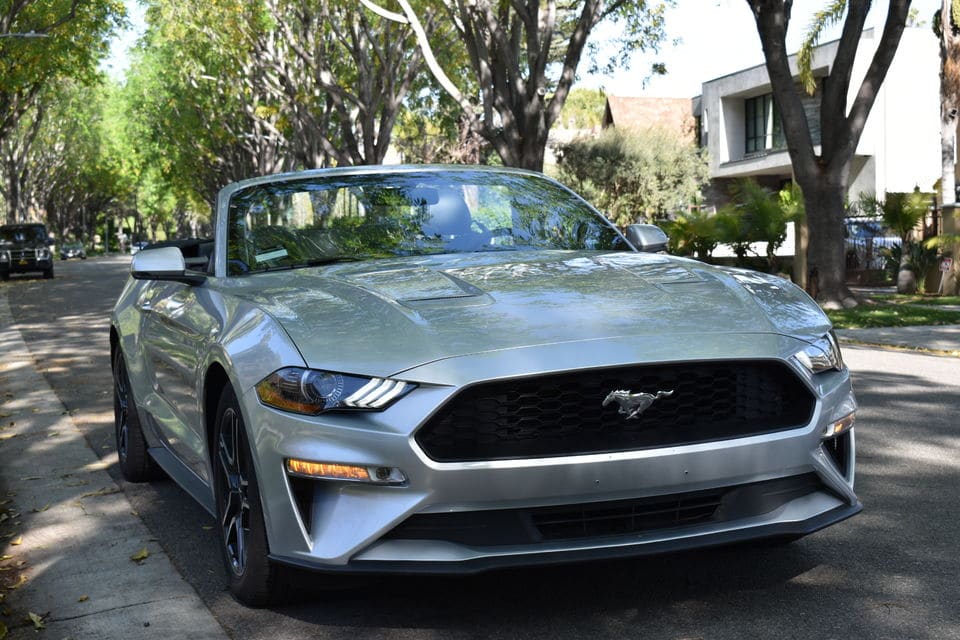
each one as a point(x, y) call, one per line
point(175, 335)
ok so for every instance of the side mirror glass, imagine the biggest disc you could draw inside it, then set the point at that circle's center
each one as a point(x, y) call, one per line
point(648, 238)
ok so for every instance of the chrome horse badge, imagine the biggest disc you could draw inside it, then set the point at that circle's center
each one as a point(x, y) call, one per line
point(633, 404)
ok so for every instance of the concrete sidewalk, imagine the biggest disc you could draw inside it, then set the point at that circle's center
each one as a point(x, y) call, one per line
point(68, 533)
point(942, 340)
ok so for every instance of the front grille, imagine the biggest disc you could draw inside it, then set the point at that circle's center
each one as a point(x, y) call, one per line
point(23, 254)
point(605, 519)
point(562, 414)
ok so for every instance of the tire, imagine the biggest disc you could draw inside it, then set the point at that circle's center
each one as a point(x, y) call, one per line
point(4, 276)
point(48, 274)
point(135, 462)
point(254, 580)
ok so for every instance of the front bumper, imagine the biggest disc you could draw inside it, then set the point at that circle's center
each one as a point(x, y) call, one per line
point(26, 264)
point(342, 526)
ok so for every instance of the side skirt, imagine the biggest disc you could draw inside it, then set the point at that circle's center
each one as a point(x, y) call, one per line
point(183, 476)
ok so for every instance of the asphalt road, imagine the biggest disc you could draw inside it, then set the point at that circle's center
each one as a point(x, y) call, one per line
point(890, 572)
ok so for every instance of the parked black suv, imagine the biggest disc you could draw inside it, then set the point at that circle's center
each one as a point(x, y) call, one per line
point(25, 248)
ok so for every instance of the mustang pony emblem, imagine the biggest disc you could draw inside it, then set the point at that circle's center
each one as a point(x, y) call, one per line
point(633, 404)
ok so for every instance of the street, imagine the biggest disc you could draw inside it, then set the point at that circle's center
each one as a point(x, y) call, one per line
point(890, 572)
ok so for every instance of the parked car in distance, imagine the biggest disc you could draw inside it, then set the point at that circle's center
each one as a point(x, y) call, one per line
point(72, 250)
point(25, 248)
point(866, 241)
point(455, 369)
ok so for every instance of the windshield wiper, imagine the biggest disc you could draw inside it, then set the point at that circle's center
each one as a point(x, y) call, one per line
point(317, 262)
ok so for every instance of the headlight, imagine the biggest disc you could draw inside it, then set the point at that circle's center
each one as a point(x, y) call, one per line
point(822, 355)
point(43, 254)
point(4, 256)
point(312, 392)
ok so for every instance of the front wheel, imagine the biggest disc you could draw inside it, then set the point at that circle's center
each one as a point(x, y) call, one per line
point(135, 462)
point(48, 274)
point(254, 580)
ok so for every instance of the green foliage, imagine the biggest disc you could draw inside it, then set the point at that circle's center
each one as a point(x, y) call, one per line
point(583, 109)
point(757, 214)
point(635, 176)
point(920, 259)
point(826, 17)
point(72, 38)
point(693, 233)
point(900, 212)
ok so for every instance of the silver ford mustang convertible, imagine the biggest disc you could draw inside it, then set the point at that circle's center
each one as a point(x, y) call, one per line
point(454, 369)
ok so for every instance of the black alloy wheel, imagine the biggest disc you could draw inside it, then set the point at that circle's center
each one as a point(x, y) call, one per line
point(243, 540)
point(135, 461)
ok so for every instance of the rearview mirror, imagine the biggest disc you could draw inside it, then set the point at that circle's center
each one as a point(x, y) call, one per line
point(648, 238)
point(162, 263)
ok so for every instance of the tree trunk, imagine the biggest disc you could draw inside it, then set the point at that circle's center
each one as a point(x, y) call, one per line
point(826, 257)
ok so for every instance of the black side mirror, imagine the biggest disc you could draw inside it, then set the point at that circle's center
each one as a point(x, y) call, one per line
point(648, 238)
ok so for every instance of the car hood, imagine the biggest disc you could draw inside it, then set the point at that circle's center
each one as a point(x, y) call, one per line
point(382, 317)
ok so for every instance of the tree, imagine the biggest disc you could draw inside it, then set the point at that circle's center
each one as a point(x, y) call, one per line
point(635, 175)
point(364, 66)
point(525, 55)
point(73, 37)
point(824, 176)
point(945, 26)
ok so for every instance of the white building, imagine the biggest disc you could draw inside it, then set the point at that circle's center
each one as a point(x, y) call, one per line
point(900, 145)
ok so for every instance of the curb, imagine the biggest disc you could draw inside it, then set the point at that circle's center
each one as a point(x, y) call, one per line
point(70, 532)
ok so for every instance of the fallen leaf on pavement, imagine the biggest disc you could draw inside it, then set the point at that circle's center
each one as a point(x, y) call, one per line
point(83, 598)
point(7, 436)
point(5, 557)
point(16, 541)
point(3, 517)
point(105, 491)
point(41, 509)
point(32, 478)
point(141, 555)
point(207, 527)
point(37, 621)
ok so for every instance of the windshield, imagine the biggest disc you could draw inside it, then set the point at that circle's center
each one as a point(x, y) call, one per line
point(329, 219)
point(23, 234)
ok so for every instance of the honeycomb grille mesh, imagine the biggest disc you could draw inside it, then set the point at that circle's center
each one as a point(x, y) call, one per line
point(562, 414)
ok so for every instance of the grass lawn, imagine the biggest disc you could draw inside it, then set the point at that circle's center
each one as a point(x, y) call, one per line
point(897, 298)
point(877, 313)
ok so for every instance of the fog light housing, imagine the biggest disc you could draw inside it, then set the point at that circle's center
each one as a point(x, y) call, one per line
point(374, 474)
point(840, 426)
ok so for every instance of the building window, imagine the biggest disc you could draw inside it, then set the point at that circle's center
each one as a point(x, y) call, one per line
point(763, 128)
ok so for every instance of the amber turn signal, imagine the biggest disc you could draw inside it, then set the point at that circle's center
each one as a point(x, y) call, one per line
point(327, 471)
